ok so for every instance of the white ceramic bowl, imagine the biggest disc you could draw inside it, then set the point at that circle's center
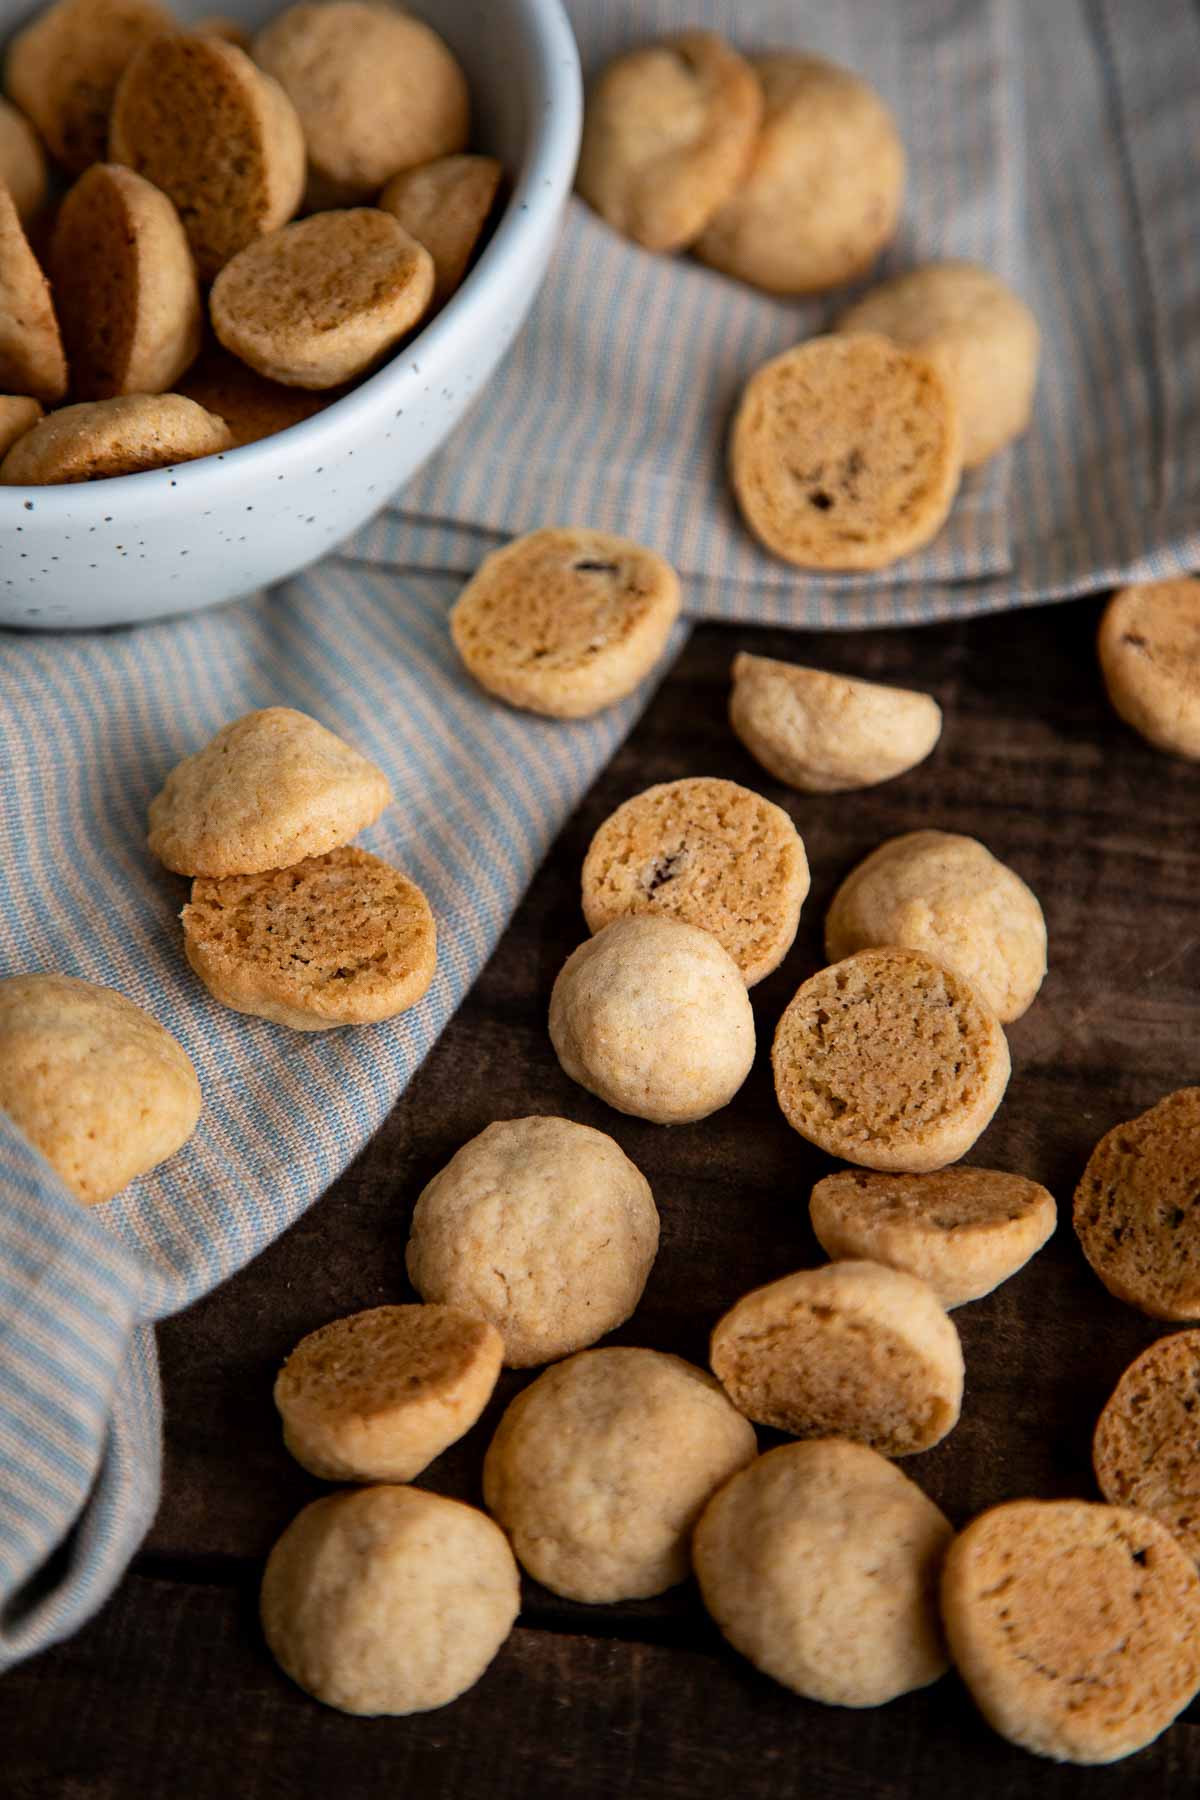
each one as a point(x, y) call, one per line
point(169, 541)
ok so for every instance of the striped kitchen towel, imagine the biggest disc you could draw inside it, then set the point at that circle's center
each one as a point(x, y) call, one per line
point(1055, 143)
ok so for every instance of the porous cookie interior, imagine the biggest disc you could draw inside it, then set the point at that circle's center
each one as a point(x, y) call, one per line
point(944, 1200)
point(97, 272)
point(1147, 1446)
point(378, 1360)
point(322, 273)
point(1137, 1208)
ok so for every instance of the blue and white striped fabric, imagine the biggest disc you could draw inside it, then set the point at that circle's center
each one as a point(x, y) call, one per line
point(1055, 143)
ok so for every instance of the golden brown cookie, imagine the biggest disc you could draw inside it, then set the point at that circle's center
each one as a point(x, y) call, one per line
point(820, 1563)
point(339, 939)
point(600, 1468)
point(219, 137)
point(250, 405)
point(890, 1061)
point(125, 286)
point(1076, 1627)
point(125, 436)
point(376, 1396)
point(445, 205)
point(96, 1084)
point(1137, 1208)
point(31, 352)
point(376, 90)
point(846, 453)
point(388, 1599)
point(949, 897)
point(565, 621)
point(18, 414)
point(853, 1350)
point(22, 162)
point(268, 790)
point(710, 853)
point(1146, 1451)
point(668, 132)
point(63, 69)
point(821, 195)
point(825, 734)
point(979, 334)
point(325, 299)
point(964, 1231)
point(1149, 648)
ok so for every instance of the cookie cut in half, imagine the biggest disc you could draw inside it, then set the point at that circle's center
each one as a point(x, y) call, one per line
point(18, 414)
point(1149, 647)
point(63, 69)
point(22, 162)
point(125, 436)
point(1137, 1209)
point(445, 205)
point(31, 353)
point(1146, 1451)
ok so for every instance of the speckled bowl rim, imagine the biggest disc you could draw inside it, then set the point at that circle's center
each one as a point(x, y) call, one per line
point(544, 182)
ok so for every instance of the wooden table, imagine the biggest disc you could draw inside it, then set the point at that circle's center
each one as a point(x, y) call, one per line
point(170, 1692)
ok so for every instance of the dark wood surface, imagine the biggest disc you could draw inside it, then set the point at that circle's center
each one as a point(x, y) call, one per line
point(169, 1691)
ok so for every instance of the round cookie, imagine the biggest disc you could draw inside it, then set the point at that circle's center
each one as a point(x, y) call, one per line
point(950, 898)
point(600, 1468)
point(63, 70)
point(653, 1016)
point(845, 453)
point(1136, 1210)
point(268, 790)
point(376, 1396)
point(31, 353)
point(853, 1350)
point(250, 405)
point(827, 734)
point(710, 853)
point(820, 1563)
point(96, 1084)
point(125, 436)
point(388, 1599)
point(565, 621)
point(1076, 1627)
point(338, 939)
point(221, 139)
point(18, 414)
point(821, 195)
point(445, 205)
point(324, 299)
point(376, 91)
point(668, 133)
point(22, 162)
point(1146, 1451)
point(964, 1231)
point(1149, 646)
point(890, 1061)
point(125, 286)
point(541, 1226)
point(973, 327)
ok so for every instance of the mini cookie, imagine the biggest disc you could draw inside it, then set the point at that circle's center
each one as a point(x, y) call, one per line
point(851, 1350)
point(250, 405)
point(22, 163)
point(94, 1083)
point(890, 1061)
point(125, 286)
point(218, 136)
point(376, 1396)
point(565, 622)
point(99, 438)
point(339, 939)
point(825, 734)
point(667, 135)
point(63, 70)
point(846, 453)
point(376, 91)
point(1137, 1212)
point(270, 789)
point(1076, 1627)
point(445, 206)
point(822, 192)
point(964, 1231)
point(31, 353)
point(388, 1599)
point(18, 414)
point(1149, 648)
point(653, 1016)
point(976, 331)
point(600, 1468)
point(325, 299)
point(710, 853)
point(949, 897)
point(820, 1563)
point(542, 1226)
point(1146, 1451)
